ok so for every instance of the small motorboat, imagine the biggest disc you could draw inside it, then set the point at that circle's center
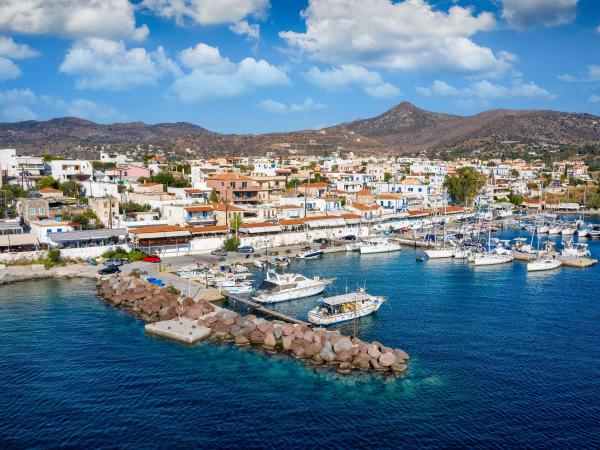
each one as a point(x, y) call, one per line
point(310, 254)
point(258, 264)
point(420, 258)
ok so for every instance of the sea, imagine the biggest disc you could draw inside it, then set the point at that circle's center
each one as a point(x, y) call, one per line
point(500, 358)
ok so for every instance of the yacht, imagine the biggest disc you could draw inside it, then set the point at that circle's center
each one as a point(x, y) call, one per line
point(543, 264)
point(568, 231)
point(259, 264)
point(289, 286)
point(354, 246)
point(461, 253)
point(543, 229)
point(490, 259)
point(379, 246)
point(441, 252)
point(235, 287)
point(576, 250)
point(554, 230)
point(344, 307)
point(310, 254)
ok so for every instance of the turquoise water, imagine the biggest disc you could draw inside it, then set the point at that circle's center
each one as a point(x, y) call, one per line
point(501, 358)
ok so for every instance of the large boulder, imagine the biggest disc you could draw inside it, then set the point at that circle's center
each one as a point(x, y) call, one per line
point(362, 361)
point(298, 349)
point(373, 351)
point(241, 340)
point(286, 342)
point(386, 359)
point(344, 356)
point(270, 340)
point(398, 367)
point(401, 355)
point(327, 353)
point(166, 313)
point(257, 337)
point(342, 344)
point(288, 330)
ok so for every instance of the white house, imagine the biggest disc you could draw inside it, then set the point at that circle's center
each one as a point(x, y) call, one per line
point(100, 189)
point(42, 228)
point(15, 166)
point(69, 169)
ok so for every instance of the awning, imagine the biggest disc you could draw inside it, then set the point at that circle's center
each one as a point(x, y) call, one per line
point(353, 221)
point(164, 234)
point(14, 240)
point(87, 235)
point(265, 229)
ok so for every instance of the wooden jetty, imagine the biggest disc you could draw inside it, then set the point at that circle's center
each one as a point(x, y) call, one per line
point(263, 310)
point(580, 263)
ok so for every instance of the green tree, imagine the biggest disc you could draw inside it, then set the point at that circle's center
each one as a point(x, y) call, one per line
point(168, 180)
point(231, 244)
point(387, 177)
point(214, 197)
point(532, 186)
point(47, 182)
point(514, 173)
point(515, 199)
point(133, 207)
point(101, 165)
point(465, 185)
point(236, 222)
point(71, 188)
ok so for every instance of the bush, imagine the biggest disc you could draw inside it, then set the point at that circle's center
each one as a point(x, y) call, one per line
point(231, 244)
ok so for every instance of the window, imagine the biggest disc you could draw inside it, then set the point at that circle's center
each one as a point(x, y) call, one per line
point(32, 211)
point(42, 211)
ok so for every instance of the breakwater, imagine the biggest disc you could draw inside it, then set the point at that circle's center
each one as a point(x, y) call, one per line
point(181, 318)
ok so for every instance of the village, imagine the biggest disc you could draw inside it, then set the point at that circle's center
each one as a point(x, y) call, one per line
point(84, 207)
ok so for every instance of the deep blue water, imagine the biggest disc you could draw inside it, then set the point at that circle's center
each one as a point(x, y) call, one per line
point(501, 358)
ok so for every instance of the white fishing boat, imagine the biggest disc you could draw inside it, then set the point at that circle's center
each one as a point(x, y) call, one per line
point(310, 254)
point(576, 250)
point(289, 286)
point(344, 307)
point(543, 229)
point(379, 246)
point(543, 264)
point(585, 231)
point(568, 231)
point(236, 287)
point(190, 272)
point(554, 230)
point(490, 259)
point(441, 252)
point(259, 264)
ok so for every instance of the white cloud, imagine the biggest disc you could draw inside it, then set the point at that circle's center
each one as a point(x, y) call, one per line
point(72, 18)
point(11, 49)
point(594, 99)
point(106, 64)
point(348, 75)
point(208, 12)
point(485, 91)
point(307, 105)
point(521, 14)
point(243, 28)
point(15, 104)
point(592, 75)
point(598, 29)
point(214, 76)
point(438, 88)
point(8, 69)
point(406, 35)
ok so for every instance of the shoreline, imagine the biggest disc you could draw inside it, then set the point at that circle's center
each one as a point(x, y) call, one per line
point(35, 272)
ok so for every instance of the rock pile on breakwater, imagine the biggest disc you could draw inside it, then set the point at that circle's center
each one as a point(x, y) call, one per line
point(148, 301)
point(315, 346)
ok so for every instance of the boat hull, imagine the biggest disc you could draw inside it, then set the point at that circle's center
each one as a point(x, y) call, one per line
point(368, 249)
point(538, 266)
point(292, 294)
point(439, 253)
point(493, 260)
point(317, 319)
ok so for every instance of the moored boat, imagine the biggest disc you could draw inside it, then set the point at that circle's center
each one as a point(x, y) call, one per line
point(289, 286)
point(310, 254)
point(344, 307)
point(442, 252)
point(543, 264)
point(490, 259)
point(379, 246)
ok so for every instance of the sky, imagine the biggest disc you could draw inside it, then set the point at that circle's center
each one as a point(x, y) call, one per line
point(258, 66)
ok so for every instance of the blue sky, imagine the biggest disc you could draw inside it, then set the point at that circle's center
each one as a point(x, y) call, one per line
point(255, 66)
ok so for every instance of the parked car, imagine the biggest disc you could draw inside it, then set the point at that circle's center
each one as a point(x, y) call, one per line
point(152, 258)
point(323, 241)
point(349, 237)
point(219, 252)
point(245, 249)
point(114, 262)
point(108, 270)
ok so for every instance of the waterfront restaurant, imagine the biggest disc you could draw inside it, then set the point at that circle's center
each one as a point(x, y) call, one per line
point(88, 238)
point(161, 236)
point(19, 242)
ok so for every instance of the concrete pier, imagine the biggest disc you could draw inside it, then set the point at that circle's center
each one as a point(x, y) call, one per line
point(181, 329)
point(579, 263)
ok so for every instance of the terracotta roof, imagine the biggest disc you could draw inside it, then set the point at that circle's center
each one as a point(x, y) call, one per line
point(199, 208)
point(157, 229)
point(351, 216)
point(363, 207)
point(411, 181)
point(364, 192)
point(194, 191)
point(258, 224)
point(290, 207)
point(208, 229)
point(298, 221)
point(228, 176)
point(149, 183)
point(315, 184)
point(230, 208)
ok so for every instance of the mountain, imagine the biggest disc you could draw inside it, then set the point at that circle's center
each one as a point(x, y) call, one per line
point(403, 128)
point(408, 128)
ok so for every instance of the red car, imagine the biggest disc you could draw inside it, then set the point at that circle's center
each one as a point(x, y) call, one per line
point(152, 258)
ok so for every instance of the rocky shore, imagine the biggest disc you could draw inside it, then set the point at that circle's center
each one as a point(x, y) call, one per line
point(30, 272)
point(315, 346)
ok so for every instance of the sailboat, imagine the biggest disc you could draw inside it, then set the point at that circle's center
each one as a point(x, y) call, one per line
point(489, 257)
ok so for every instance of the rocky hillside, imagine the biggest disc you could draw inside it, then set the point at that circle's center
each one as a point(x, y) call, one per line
point(403, 128)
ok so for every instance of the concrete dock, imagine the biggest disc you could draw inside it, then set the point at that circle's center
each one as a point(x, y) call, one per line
point(579, 263)
point(181, 329)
